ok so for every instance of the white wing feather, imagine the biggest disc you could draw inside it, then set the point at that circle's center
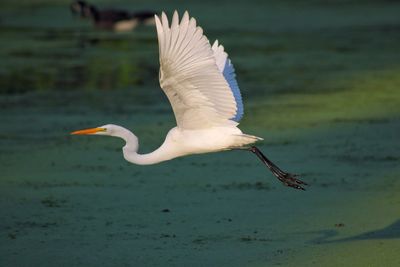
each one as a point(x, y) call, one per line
point(225, 66)
point(199, 94)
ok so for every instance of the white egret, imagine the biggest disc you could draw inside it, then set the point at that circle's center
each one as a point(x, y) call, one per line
point(199, 81)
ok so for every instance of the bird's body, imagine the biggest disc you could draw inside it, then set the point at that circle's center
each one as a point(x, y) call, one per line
point(112, 19)
point(199, 81)
point(180, 142)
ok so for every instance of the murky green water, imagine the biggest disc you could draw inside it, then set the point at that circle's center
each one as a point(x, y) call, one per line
point(320, 81)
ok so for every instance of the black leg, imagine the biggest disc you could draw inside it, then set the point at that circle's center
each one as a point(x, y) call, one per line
point(287, 179)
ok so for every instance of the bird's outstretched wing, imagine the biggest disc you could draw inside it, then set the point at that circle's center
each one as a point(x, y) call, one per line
point(225, 66)
point(198, 89)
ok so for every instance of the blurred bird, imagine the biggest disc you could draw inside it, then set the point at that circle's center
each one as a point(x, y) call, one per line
point(112, 19)
point(199, 81)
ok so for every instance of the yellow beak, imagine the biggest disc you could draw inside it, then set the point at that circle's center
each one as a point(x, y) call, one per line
point(89, 131)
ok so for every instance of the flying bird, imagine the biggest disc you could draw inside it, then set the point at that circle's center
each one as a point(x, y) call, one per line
point(112, 19)
point(200, 83)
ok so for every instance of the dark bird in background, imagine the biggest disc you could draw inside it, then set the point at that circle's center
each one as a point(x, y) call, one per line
point(112, 19)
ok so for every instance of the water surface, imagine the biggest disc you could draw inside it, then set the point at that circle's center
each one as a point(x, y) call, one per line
point(320, 81)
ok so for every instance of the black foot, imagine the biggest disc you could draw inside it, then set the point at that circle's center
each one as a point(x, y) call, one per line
point(291, 180)
point(287, 179)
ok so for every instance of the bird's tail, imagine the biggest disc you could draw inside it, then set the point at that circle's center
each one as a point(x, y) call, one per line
point(245, 139)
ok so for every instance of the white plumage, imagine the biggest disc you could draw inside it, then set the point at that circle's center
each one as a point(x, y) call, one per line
point(199, 81)
point(191, 75)
point(225, 66)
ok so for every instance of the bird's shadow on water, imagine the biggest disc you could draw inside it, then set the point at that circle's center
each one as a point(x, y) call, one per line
point(391, 231)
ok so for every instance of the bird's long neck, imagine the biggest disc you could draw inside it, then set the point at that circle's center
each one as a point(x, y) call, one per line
point(93, 13)
point(132, 146)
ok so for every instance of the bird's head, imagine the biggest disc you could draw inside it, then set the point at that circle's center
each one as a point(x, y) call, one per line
point(77, 7)
point(83, 9)
point(132, 142)
point(108, 129)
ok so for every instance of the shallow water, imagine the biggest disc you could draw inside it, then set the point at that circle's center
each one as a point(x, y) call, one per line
point(320, 83)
